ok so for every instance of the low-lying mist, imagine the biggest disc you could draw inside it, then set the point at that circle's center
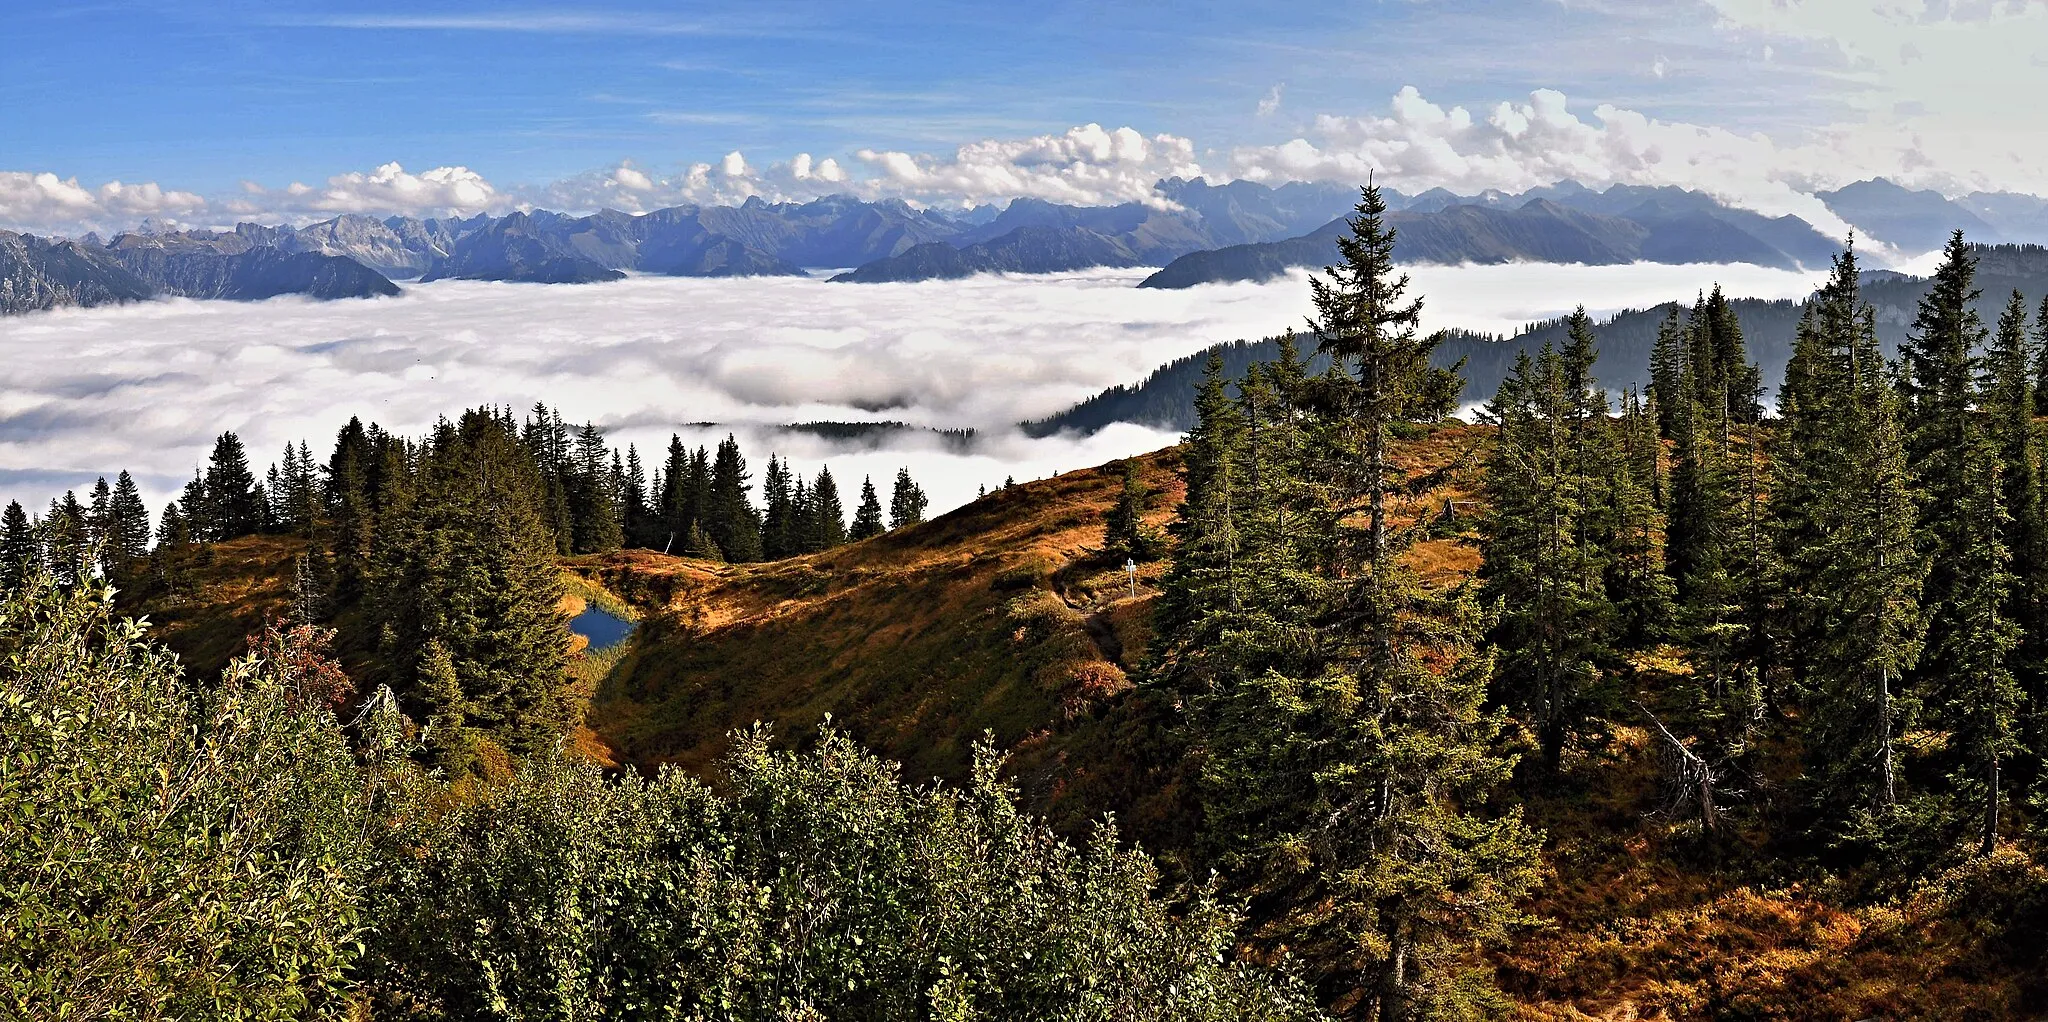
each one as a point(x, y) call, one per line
point(146, 387)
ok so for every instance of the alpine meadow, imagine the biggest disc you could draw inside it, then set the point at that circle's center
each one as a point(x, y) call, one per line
point(783, 516)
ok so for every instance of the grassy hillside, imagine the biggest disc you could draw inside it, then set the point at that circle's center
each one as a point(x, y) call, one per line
point(1001, 616)
point(220, 593)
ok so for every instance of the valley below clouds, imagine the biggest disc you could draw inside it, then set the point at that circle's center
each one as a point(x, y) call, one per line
point(146, 387)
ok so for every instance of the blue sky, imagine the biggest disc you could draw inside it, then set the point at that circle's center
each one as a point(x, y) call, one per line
point(197, 97)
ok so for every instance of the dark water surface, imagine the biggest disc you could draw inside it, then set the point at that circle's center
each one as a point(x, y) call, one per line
point(602, 628)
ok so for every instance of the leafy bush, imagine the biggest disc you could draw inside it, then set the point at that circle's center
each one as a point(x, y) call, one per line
point(819, 886)
point(168, 853)
point(172, 851)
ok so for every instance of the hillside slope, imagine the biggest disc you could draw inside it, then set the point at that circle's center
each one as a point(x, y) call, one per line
point(1000, 616)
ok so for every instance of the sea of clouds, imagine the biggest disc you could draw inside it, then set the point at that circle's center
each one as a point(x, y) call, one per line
point(146, 387)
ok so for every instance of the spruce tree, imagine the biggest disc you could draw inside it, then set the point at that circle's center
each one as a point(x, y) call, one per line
point(1354, 767)
point(466, 560)
point(2007, 400)
point(1629, 527)
point(778, 514)
point(1806, 462)
point(1538, 570)
point(66, 540)
point(127, 537)
point(2040, 358)
point(907, 501)
point(700, 545)
point(803, 519)
point(1704, 550)
point(828, 514)
point(729, 516)
point(1937, 390)
point(546, 440)
point(1669, 365)
point(678, 506)
point(1970, 674)
point(593, 495)
point(351, 512)
point(1202, 579)
point(444, 710)
point(637, 523)
point(232, 506)
point(99, 514)
point(867, 520)
point(1866, 569)
point(1124, 532)
point(20, 553)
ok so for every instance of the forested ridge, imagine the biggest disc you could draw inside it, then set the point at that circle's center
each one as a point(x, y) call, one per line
point(1672, 702)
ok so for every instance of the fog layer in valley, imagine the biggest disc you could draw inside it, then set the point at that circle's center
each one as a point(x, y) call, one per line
point(146, 387)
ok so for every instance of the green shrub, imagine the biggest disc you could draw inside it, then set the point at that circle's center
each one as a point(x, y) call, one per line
point(171, 851)
point(167, 852)
point(820, 886)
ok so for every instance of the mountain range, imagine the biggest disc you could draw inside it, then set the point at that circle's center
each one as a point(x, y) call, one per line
point(1198, 231)
point(1166, 398)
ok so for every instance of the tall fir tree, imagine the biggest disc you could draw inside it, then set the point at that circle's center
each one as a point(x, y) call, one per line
point(1670, 363)
point(1970, 674)
point(1630, 528)
point(1354, 768)
point(1704, 548)
point(803, 518)
point(466, 566)
point(778, 512)
point(2006, 398)
point(828, 514)
point(593, 495)
point(67, 540)
point(1937, 390)
point(1538, 569)
point(907, 502)
point(1865, 571)
point(126, 541)
point(637, 521)
point(729, 515)
point(867, 519)
point(1202, 580)
point(233, 507)
point(20, 553)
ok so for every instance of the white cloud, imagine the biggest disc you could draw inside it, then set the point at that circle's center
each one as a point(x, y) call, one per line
point(44, 201)
point(1086, 165)
point(1418, 144)
point(146, 387)
point(442, 191)
point(1270, 104)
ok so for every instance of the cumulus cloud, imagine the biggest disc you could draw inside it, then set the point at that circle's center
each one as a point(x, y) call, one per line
point(44, 201)
point(637, 189)
point(389, 189)
point(146, 387)
point(1086, 165)
point(1514, 146)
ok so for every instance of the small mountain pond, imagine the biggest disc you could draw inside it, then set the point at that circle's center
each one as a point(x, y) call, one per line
point(602, 628)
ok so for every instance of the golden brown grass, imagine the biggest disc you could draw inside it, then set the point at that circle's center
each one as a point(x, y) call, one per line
point(999, 617)
point(226, 592)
